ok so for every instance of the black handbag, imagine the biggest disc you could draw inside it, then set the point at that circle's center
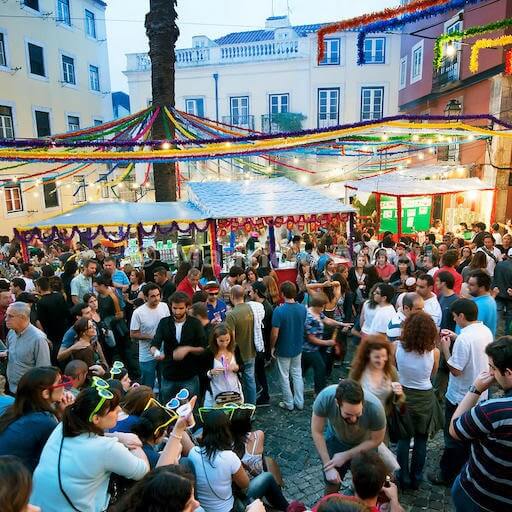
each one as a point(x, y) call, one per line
point(400, 424)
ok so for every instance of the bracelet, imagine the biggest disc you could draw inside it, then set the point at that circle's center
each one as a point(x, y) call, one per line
point(172, 434)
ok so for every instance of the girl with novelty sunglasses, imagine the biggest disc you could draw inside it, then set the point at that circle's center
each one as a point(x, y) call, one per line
point(78, 459)
point(26, 424)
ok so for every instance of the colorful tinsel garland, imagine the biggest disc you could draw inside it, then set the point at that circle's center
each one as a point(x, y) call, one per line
point(387, 25)
point(485, 43)
point(366, 19)
point(444, 39)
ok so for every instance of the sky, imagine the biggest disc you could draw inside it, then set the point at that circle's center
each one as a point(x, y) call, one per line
point(213, 18)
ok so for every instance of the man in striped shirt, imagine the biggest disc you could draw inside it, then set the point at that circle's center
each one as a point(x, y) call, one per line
point(485, 482)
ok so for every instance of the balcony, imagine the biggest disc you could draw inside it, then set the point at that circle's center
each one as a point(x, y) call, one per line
point(282, 122)
point(226, 54)
point(241, 121)
point(448, 73)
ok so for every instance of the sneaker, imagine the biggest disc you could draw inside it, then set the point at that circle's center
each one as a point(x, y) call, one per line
point(282, 405)
point(436, 478)
point(263, 402)
point(298, 408)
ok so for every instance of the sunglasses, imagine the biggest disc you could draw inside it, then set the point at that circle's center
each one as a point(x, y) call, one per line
point(175, 402)
point(173, 416)
point(116, 369)
point(103, 389)
point(232, 410)
point(65, 382)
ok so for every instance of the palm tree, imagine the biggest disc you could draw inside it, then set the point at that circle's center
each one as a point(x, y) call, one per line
point(163, 32)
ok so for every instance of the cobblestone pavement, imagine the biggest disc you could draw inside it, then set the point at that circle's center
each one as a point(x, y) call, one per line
point(289, 442)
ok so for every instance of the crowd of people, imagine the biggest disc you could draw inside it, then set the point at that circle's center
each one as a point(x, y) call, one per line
point(136, 389)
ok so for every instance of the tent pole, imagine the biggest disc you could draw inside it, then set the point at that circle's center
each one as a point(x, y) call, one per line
point(399, 215)
point(351, 230)
point(377, 209)
point(213, 242)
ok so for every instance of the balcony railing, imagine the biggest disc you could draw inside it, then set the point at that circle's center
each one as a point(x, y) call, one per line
point(448, 72)
point(249, 52)
point(241, 121)
point(282, 122)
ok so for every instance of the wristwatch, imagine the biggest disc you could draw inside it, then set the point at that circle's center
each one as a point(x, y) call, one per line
point(473, 389)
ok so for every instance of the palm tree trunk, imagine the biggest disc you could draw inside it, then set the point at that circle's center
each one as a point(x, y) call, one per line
point(162, 32)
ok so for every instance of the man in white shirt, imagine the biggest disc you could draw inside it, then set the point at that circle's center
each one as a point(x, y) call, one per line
point(465, 360)
point(28, 271)
point(411, 303)
point(145, 320)
point(492, 253)
point(430, 264)
point(424, 288)
point(383, 295)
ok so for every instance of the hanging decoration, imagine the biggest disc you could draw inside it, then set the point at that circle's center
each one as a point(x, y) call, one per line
point(446, 39)
point(485, 43)
point(394, 23)
point(366, 19)
point(508, 62)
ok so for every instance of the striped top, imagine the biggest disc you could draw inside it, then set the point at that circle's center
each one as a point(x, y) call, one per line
point(487, 477)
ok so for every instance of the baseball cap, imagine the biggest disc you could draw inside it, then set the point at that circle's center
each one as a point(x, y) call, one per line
point(211, 287)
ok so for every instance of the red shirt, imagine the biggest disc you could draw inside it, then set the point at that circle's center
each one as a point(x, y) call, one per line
point(385, 271)
point(458, 279)
point(186, 287)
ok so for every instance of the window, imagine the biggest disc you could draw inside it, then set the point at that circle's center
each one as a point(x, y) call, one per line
point(375, 50)
point(33, 4)
point(94, 78)
point(372, 103)
point(97, 122)
point(36, 59)
point(328, 107)
point(90, 24)
point(42, 123)
point(332, 52)
point(51, 196)
point(80, 195)
point(13, 201)
point(417, 62)
point(3, 53)
point(73, 123)
point(68, 70)
point(239, 106)
point(63, 15)
point(6, 123)
point(279, 103)
point(403, 72)
point(195, 106)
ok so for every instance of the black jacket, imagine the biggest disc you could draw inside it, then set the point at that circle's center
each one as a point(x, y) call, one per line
point(192, 335)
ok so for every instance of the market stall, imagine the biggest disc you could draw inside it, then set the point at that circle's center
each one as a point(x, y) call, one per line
point(404, 205)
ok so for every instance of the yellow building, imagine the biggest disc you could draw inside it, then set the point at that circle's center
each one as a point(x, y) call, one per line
point(54, 78)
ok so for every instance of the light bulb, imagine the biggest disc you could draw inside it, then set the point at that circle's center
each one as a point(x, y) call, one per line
point(384, 137)
point(415, 137)
point(421, 156)
point(451, 51)
point(166, 145)
point(135, 185)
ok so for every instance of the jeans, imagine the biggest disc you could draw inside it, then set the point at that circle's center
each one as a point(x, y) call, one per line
point(148, 373)
point(291, 367)
point(316, 361)
point(455, 453)
point(461, 500)
point(170, 388)
point(261, 376)
point(419, 454)
point(505, 315)
point(335, 446)
point(265, 486)
point(249, 382)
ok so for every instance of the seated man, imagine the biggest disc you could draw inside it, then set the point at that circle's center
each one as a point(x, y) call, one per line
point(356, 423)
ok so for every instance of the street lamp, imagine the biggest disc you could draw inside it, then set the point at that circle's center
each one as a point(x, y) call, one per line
point(453, 108)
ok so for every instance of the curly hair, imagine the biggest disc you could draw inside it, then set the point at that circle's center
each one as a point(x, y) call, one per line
point(419, 333)
point(362, 356)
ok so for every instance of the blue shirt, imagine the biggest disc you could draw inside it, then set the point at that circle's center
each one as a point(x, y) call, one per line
point(5, 401)
point(289, 318)
point(315, 327)
point(25, 438)
point(487, 312)
point(220, 308)
point(69, 338)
point(320, 264)
point(119, 277)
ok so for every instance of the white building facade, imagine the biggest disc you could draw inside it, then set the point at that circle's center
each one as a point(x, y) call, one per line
point(269, 79)
point(54, 78)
